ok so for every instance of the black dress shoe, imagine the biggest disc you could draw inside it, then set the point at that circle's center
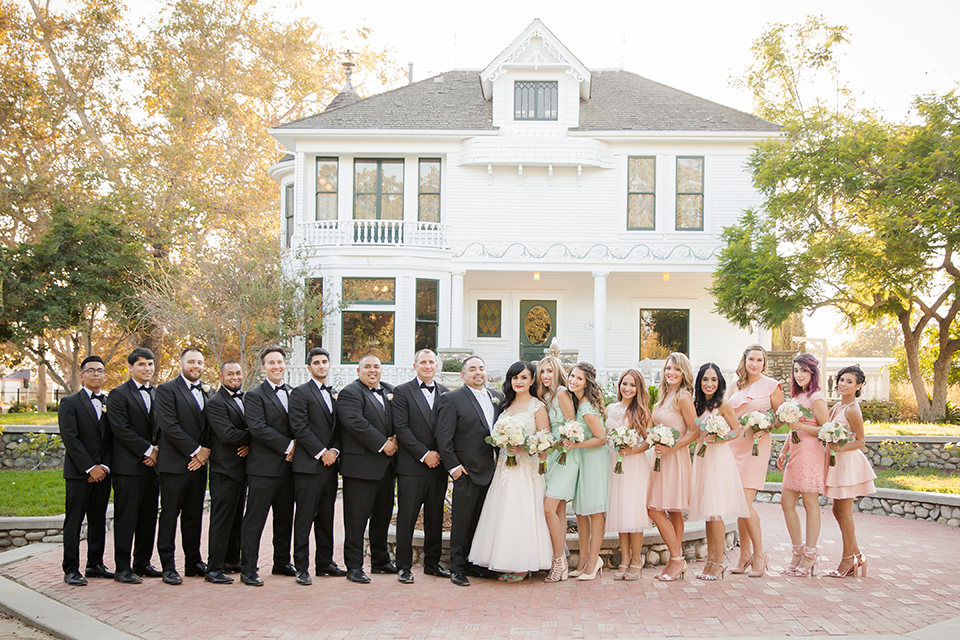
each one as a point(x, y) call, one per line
point(331, 570)
point(99, 571)
point(172, 577)
point(127, 576)
point(232, 567)
point(475, 571)
point(74, 579)
point(303, 577)
point(148, 571)
point(251, 579)
point(436, 570)
point(459, 578)
point(384, 568)
point(358, 576)
point(196, 570)
point(405, 577)
point(284, 570)
point(217, 576)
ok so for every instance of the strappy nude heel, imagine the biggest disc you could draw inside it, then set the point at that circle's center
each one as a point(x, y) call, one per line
point(707, 576)
point(850, 571)
point(797, 554)
point(664, 577)
point(632, 577)
point(560, 570)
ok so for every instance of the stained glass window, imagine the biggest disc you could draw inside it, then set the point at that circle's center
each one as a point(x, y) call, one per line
point(641, 194)
point(488, 318)
point(690, 194)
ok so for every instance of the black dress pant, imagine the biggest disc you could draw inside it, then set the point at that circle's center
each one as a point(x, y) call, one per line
point(226, 517)
point(263, 494)
point(135, 502)
point(365, 500)
point(414, 492)
point(181, 496)
point(467, 504)
point(316, 495)
point(84, 499)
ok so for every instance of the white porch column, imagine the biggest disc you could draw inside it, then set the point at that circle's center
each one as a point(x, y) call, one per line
point(600, 319)
point(456, 309)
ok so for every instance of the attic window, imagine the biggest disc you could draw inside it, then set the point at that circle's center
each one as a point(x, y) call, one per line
point(535, 100)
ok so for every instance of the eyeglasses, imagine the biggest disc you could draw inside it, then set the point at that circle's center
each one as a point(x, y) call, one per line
point(98, 372)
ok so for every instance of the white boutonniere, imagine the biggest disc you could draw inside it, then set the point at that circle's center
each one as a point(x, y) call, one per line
point(334, 395)
point(494, 399)
point(389, 397)
point(206, 388)
point(103, 408)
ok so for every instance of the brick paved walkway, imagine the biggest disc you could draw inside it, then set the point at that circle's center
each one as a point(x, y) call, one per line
point(912, 584)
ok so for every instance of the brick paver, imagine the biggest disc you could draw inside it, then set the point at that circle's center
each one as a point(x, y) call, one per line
point(912, 583)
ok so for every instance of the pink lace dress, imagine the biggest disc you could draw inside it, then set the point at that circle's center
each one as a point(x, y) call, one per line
point(670, 487)
point(805, 463)
point(754, 397)
point(853, 474)
point(627, 507)
point(716, 492)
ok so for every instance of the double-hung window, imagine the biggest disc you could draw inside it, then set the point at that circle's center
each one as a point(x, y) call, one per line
point(327, 189)
point(378, 189)
point(690, 194)
point(641, 194)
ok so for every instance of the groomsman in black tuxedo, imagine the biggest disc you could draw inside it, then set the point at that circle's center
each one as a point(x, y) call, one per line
point(229, 446)
point(313, 420)
point(136, 488)
point(421, 479)
point(86, 438)
point(368, 445)
point(180, 414)
point(269, 474)
point(465, 418)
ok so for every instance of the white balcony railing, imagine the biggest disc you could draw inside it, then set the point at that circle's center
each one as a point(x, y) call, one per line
point(338, 233)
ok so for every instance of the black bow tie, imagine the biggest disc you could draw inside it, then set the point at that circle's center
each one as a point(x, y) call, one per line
point(99, 397)
point(196, 386)
point(144, 387)
point(428, 387)
point(327, 388)
point(279, 388)
point(378, 390)
point(236, 394)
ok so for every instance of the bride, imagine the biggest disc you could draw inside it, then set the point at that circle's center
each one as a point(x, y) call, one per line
point(512, 535)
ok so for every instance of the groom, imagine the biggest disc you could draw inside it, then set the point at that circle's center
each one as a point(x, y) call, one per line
point(466, 416)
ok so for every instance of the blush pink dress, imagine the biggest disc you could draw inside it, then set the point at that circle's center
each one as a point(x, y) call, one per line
point(804, 469)
point(716, 492)
point(627, 506)
point(670, 487)
point(754, 397)
point(853, 474)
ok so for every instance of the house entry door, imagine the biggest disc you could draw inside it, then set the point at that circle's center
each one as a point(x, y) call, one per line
point(538, 326)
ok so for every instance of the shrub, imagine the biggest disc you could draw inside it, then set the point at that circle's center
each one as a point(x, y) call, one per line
point(901, 453)
point(881, 411)
point(452, 366)
point(21, 407)
point(654, 393)
point(951, 415)
point(37, 446)
point(53, 407)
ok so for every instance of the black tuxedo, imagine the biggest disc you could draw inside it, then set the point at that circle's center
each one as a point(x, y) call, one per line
point(183, 429)
point(368, 480)
point(313, 424)
point(461, 429)
point(136, 488)
point(417, 484)
point(269, 476)
point(228, 478)
point(87, 440)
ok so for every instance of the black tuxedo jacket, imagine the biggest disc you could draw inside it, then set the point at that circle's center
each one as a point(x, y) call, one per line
point(87, 440)
point(415, 425)
point(182, 425)
point(313, 425)
point(364, 429)
point(228, 432)
point(270, 434)
point(461, 429)
point(133, 429)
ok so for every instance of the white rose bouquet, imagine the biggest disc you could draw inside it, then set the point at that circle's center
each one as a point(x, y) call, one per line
point(619, 437)
point(791, 411)
point(834, 433)
point(507, 432)
point(662, 435)
point(713, 425)
point(540, 442)
point(758, 422)
point(572, 431)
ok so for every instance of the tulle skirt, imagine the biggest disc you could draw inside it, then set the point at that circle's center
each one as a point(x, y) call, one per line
point(627, 509)
point(716, 491)
point(852, 477)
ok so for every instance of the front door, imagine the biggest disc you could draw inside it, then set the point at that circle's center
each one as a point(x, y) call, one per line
point(538, 326)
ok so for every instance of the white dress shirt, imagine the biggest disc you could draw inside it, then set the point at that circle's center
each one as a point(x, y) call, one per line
point(98, 407)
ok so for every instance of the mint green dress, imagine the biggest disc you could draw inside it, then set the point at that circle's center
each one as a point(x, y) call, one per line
point(561, 479)
point(593, 482)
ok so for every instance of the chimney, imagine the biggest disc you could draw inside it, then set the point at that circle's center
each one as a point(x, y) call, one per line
point(409, 73)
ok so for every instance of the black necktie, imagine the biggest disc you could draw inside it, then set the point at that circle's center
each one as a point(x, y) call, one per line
point(428, 387)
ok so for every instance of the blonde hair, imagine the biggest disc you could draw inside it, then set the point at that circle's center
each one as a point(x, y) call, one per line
point(681, 362)
point(742, 378)
point(637, 412)
point(549, 394)
point(591, 390)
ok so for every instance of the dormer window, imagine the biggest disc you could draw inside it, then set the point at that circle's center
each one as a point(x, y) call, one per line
point(535, 100)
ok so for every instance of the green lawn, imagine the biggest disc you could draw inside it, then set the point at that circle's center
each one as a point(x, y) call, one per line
point(28, 418)
point(31, 493)
point(903, 429)
point(923, 479)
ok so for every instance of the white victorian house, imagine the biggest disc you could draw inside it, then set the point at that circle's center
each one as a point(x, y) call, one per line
point(494, 210)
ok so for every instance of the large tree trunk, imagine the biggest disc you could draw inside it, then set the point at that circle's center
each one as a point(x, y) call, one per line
point(911, 346)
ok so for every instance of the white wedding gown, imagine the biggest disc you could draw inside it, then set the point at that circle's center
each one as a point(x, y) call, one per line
point(512, 534)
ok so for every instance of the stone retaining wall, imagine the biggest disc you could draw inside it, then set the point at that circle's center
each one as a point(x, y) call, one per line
point(933, 451)
point(11, 437)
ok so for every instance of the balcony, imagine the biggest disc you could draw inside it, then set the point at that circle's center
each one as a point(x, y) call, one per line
point(384, 233)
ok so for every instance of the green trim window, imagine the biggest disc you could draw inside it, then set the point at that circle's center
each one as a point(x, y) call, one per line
point(641, 193)
point(690, 194)
point(369, 290)
point(663, 331)
point(535, 100)
point(315, 289)
point(327, 180)
point(425, 336)
point(428, 207)
point(367, 332)
point(288, 214)
point(489, 318)
point(378, 189)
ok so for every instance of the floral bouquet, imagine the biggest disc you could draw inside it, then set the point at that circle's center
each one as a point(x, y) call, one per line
point(713, 425)
point(571, 431)
point(791, 411)
point(758, 422)
point(662, 435)
point(833, 433)
point(618, 437)
point(540, 442)
point(507, 432)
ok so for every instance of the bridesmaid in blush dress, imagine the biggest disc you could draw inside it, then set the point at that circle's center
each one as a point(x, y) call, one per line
point(755, 392)
point(670, 487)
point(802, 465)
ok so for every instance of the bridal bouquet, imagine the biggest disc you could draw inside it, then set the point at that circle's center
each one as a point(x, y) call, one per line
point(619, 437)
point(833, 433)
point(571, 431)
point(713, 425)
point(540, 442)
point(662, 435)
point(791, 411)
point(507, 432)
point(758, 422)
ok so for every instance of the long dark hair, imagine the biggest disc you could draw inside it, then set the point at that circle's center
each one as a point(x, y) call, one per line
point(701, 403)
point(812, 365)
point(592, 392)
point(509, 395)
point(638, 411)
